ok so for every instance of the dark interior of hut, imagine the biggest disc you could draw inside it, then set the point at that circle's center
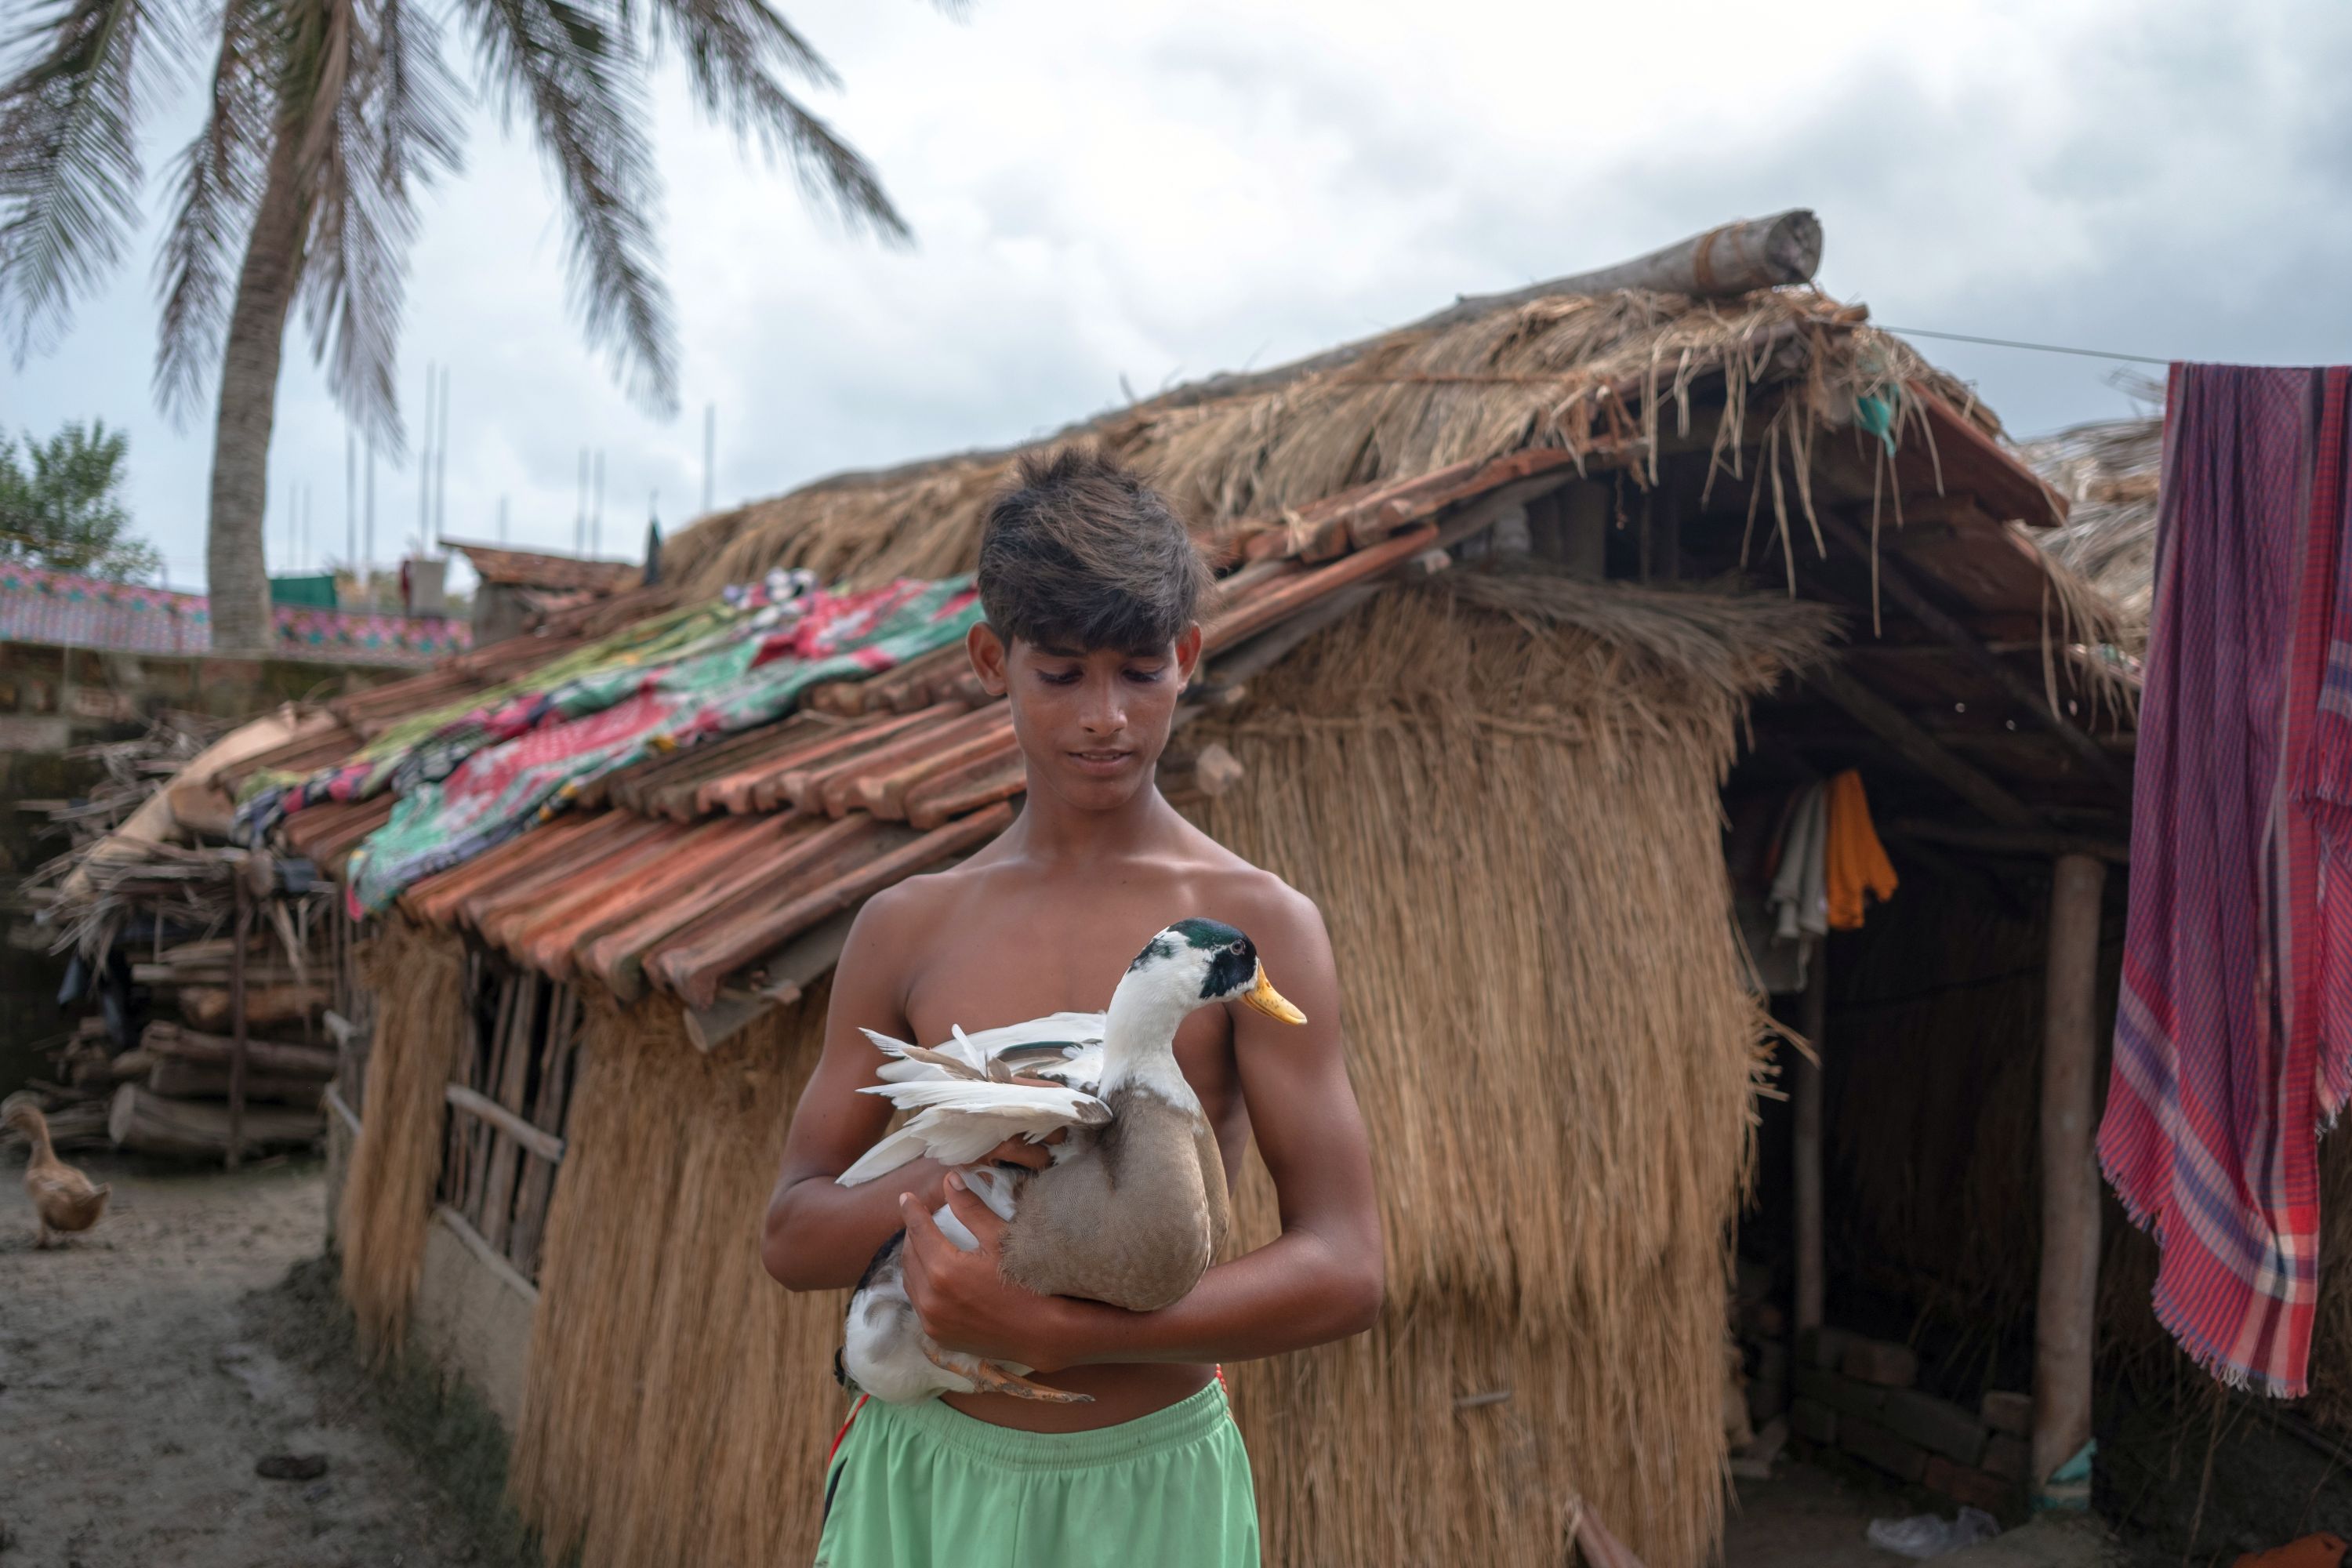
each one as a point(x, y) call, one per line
point(1991, 725)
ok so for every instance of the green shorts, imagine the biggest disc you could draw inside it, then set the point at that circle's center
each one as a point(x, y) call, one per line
point(923, 1486)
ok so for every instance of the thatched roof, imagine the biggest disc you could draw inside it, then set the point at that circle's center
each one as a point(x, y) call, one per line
point(1578, 373)
point(2108, 471)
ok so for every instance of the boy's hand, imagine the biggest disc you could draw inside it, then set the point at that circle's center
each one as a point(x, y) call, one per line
point(962, 1298)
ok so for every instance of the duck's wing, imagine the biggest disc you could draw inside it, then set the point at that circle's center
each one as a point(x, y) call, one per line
point(955, 1121)
point(1064, 1046)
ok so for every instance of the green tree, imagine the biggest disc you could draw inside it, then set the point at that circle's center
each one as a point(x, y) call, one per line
point(323, 121)
point(61, 505)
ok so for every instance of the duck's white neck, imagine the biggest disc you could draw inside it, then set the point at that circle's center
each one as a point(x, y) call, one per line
point(1140, 1035)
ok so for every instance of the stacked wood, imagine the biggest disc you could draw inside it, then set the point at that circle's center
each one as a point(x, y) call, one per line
point(146, 1122)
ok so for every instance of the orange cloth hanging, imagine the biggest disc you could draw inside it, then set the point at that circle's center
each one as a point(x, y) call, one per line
point(1856, 862)
point(2311, 1551)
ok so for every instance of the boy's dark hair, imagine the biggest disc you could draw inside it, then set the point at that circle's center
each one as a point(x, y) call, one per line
point(1082, 553)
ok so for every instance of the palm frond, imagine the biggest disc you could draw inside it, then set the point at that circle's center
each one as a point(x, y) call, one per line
point(69, 169)
point(739, 54)
point(383, 124)
point(583, 83)
point(218, 179)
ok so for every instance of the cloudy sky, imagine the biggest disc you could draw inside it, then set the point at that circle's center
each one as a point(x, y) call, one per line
point(1134, 194)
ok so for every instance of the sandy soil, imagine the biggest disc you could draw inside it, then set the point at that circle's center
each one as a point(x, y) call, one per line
point(147, 1365)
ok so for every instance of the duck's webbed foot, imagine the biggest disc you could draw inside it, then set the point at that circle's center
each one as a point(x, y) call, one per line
point(987, 1377)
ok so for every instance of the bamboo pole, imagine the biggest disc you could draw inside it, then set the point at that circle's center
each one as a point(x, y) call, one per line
point(236, 1031)
point(1805, 1102)
point(2064, 1316)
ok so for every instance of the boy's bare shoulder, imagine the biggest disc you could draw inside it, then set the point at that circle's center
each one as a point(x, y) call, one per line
point(1251, 892)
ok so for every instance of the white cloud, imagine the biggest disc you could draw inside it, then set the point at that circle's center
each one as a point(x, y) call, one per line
point(1158, 190)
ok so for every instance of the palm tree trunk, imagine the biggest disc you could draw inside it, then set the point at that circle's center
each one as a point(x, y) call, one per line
point(236, 574)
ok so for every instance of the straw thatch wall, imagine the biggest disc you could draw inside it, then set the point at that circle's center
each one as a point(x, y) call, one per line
point(1511, 829)
point(678, 1404)
point(1538, 373)
point(1512, 834)
point(418, 977)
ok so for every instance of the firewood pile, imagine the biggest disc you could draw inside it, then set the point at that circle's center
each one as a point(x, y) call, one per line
point(203, 969)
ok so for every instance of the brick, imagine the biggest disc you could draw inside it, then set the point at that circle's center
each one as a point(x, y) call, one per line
point(2010, 1413)
point(1823, 1347)
point(1882, 1361)
point(1936, 1425)
point(2007, 1457)
point(1814, 1422)
point(1866, 1439)
point(1839, 1392)
point(1966, 1483)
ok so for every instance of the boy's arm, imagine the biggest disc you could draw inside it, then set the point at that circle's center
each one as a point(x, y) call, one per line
point(819, 1234)
point(1320, 1279)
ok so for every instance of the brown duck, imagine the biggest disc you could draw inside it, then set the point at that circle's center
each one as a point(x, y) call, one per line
point(1134, 1207)
point(64, 1200)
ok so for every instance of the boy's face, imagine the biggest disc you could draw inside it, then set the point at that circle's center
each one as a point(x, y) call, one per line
point(1091, 721)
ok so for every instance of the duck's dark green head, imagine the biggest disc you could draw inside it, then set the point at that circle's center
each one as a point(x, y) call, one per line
point(1217, 962)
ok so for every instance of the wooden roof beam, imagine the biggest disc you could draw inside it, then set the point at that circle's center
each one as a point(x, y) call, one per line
point(1899, 587)
point(1919, 748)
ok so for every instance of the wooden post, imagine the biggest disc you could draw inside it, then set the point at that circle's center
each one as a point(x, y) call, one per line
point(1584, 530)
point(237, 1042)
point(1805, 1102)
point(2065, 1310)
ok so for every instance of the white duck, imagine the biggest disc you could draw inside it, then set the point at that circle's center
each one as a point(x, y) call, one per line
point(1133, 1207)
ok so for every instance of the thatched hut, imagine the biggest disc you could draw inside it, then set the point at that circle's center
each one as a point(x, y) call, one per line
point(1499, 593)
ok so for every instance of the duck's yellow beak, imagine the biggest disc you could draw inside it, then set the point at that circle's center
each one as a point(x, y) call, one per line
point(1270, 1002)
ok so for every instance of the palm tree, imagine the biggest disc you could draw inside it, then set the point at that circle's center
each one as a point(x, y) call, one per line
point(324, 119)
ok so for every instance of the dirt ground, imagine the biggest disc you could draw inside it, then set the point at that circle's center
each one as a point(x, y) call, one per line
point(147, 1367)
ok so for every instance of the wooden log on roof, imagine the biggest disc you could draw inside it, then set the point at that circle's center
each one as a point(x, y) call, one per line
point(1736, 257)
point(1294, 593)
point(837, 788)
point(802, 781)
point(552, 939)
point(884, 792)
point(693, 972)
point(615, 952)
point(945, 797)
point(760, 785)
point(500, 922)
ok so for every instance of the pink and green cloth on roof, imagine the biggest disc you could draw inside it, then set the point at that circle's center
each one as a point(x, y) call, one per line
point(472, 777)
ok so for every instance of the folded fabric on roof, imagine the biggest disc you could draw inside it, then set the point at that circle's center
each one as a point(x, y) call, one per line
point(611, 717)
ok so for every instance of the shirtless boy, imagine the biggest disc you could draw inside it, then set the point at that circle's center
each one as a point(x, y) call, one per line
point(1090, 586)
